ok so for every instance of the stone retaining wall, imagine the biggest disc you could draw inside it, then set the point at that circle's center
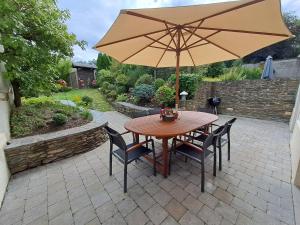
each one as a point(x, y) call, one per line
point(29, 152)
point(131, 110)
point(262, 99)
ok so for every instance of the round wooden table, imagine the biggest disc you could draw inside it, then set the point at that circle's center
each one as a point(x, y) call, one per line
point(153, 126)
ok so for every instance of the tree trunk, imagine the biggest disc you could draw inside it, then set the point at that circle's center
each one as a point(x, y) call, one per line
point(17, 93)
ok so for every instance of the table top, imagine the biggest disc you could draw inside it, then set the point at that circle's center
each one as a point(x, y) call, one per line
point(153, 126)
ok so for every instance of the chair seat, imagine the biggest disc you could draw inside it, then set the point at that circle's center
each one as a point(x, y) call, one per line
point(190, 152)
point(132, 155)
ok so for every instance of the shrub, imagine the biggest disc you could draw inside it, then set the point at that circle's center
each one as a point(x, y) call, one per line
point(215, 69)
point(234, 73)
point(165, 95)
point(144, 92)
point(76, 99)
point(252, 73)
point(105, 76)
point(144, 79)
point(158, 83)
point(112, 95)
point(121, 89)
point(122, 80)
point(86, 115)
point(59, 119)
point(187, 82)
point(86, 100)
point(65, 89)
point(38, 101)
point(122, 98)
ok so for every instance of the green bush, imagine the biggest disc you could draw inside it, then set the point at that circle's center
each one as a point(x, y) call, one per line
point(187, 82)
point(144, 79)
point(112, 95)
point(144, 92)
point(86, 100)
point(105, 76)
point(165, 95)
point(122, 98)
point(38, 101)
point(234, 73)
point(252, 73)
point(215, 69)
point(122, 80)
point(86, 115)
point(65, 89)
point(158, 83)
point(59, 119)
point(121, 89)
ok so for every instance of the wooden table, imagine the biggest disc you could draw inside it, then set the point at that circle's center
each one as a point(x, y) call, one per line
point(153, 126)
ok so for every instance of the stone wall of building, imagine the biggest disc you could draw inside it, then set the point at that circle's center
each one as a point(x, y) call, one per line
point(29, 152)
point(262, 99)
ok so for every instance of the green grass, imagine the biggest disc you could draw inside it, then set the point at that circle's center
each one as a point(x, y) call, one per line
point(99, 102)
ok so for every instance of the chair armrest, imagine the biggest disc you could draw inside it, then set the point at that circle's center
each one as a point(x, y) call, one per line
point(138, 145)
point(126, 132)
point(213, 124)
point(199, 149)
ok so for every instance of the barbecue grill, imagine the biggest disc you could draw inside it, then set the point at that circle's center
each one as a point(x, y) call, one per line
point(214, 102)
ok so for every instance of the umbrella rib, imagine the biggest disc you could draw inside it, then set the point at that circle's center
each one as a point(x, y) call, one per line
point(208, 36)
point(194, 31)
point(194, 46)
point(147, 17)
point(159, 42)
point(226, 11)
point(129, 38)
point(143, 48)
point(184, 42)
point(164, 52)
point(161, 48)
point(213, 43)
point(172, 37)
point(240, 31)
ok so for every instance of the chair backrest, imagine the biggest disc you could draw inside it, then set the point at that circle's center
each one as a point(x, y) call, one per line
point(212, 138)
point(115, 138)
point(230, 122)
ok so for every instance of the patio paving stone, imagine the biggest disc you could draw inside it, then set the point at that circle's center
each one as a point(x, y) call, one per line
point(254, 188)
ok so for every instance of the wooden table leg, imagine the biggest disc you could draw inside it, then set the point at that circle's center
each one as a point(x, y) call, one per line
point(165, 152)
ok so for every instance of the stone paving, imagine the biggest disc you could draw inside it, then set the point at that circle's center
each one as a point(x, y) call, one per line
point(253, 188)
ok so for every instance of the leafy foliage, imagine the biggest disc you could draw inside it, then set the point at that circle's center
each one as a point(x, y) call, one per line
point(122, 98)
point(233, 74)
point(187, 82)
point(59, 119)
point(103, 62)
point(122, 80)
point(64, 68)
point(158, 83)
point(144, 79)
point(87, 100)
point(35, 38)
point(144, 92)
point(215, 69)
point(165, 95)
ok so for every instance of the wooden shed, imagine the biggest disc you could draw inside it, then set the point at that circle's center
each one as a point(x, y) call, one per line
point(83, 75)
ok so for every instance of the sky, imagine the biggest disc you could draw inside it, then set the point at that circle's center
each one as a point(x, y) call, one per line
point(91, 19)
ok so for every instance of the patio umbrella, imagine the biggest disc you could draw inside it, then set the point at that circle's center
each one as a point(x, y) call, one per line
point(193, 35)
point(268, 71)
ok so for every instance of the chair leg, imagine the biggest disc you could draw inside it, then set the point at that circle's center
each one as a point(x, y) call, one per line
point(215, 161)
point(125, 177)
point(170, 159)
point(185, 159)
point(202, 172)
point(228, 146)
point(110, 164)
point(220, 157)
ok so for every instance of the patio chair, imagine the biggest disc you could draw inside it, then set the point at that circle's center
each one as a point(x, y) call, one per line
point(127, 153)
point(223, 139)
point(197, 153)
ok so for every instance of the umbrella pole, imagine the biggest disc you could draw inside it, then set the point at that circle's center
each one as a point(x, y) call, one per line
point(177, 78)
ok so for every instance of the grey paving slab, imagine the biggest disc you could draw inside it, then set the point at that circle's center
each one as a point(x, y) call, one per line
point(254, 188)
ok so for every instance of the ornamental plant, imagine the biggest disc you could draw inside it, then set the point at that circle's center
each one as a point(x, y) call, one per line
point(165, 95)
point(144, 92)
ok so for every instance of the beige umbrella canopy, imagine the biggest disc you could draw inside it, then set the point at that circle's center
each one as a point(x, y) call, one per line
point(194, 35)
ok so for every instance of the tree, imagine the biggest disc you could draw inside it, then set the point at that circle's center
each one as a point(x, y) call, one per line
point(103, 62)
point(286, 49)
point(35, 38)
point(64, 68)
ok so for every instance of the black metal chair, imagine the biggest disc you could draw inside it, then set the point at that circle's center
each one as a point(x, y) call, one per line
point(197, 153)
point(221, 139)
point(126, 153)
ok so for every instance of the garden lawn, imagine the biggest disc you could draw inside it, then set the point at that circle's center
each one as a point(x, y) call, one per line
point(99, 102)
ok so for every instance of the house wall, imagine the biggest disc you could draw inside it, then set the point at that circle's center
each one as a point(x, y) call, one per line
point(284, 69)
point(295, 141)
point(262, 99)
point(4, 129)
